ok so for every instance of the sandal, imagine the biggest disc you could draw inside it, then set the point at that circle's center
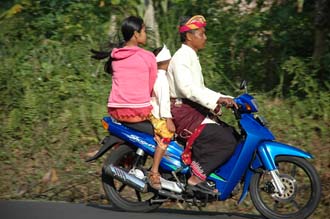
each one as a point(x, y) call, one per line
point(154, 180)
point(204, 188)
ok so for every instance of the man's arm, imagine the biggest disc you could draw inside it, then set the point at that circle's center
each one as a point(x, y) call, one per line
point(188, 88)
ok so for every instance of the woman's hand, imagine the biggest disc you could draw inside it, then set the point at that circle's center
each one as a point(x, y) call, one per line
point(170, 125)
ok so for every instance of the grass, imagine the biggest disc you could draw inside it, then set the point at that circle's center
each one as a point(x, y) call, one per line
point(56, 169)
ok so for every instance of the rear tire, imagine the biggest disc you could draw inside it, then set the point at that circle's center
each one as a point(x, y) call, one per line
point(302, 190)
point(121, 195)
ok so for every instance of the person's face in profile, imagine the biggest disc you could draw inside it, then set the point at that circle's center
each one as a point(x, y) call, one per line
point(198, 38)
point(141, 37)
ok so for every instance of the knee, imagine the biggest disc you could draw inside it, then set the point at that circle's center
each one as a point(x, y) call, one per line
point(233, 142)
point(162, 146)
point(162, 143)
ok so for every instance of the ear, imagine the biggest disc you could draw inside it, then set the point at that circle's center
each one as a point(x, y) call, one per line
point(189, 36)
point(136, 34)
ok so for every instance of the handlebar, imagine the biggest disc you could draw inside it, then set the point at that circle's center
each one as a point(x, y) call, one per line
point(237, 112)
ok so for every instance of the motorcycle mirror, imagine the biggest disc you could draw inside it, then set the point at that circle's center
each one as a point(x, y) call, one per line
point(243, 85)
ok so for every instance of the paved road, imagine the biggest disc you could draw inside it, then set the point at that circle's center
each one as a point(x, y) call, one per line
point(61, 210)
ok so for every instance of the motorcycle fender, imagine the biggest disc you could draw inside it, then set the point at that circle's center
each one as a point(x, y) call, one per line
point(269, 150)
point(267, 154)
point(107, 143)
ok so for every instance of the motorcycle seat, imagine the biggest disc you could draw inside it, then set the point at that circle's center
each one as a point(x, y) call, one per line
point(144, 126)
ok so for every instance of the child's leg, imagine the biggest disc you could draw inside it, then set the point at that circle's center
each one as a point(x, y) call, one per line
point(154, 176)
point(162, 138)
point(159, 153)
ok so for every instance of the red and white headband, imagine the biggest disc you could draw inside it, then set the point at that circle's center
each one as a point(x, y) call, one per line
point(193, 23)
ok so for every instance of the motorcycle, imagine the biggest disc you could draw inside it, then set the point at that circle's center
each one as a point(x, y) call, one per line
point(281, 181)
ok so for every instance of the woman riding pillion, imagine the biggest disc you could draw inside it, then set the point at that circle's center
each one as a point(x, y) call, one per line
point(134, 72)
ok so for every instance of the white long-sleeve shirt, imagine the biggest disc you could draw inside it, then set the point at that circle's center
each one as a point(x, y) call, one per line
point(186, 80)
point(160, 99)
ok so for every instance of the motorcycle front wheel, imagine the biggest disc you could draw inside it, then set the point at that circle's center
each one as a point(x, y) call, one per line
point(302, 190)
point(120, 194)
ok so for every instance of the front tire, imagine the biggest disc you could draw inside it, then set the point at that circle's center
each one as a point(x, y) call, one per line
point(121, 195)
point(302, 190)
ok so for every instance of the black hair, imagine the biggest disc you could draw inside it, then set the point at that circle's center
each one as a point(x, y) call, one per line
point(183, 21)
point(157, 51)
point(128, 27)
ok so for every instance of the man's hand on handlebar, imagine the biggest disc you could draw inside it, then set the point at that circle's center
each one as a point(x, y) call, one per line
point(227, 102)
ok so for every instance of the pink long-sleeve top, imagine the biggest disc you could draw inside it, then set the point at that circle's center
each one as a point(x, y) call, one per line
point(134, 75)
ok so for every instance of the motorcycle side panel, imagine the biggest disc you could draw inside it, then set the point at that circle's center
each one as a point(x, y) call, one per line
point(233, 170)
point(256, 163)
point(171, 161)
point(230, 173)
point(252, 127)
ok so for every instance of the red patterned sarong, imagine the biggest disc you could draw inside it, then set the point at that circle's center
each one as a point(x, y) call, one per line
point(186, 155)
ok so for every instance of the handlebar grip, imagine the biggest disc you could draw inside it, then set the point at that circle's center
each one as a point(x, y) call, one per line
point(236, 112)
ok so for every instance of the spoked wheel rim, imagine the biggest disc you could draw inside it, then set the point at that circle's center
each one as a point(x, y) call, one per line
point(127, 193)
point(297, 190)
point(301, 194)
point(124, 196)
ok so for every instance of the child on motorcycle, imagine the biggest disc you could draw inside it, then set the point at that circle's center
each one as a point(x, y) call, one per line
point(161, 117)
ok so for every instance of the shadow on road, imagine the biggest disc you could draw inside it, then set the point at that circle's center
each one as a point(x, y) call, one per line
point(183, 212)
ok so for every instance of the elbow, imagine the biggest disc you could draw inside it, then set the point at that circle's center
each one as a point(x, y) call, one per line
point(191, 96)
point(186, 92)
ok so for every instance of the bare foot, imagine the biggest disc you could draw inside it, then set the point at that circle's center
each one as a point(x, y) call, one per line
point(194, 180)
point(154, 180)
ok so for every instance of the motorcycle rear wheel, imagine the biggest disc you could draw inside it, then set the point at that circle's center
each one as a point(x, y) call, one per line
point(121, 195)
point(302, 190)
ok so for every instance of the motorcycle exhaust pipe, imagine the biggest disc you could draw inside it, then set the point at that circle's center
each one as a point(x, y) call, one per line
point(126, 178)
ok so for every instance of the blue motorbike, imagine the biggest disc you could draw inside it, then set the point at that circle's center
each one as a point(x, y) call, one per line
point(280, 180)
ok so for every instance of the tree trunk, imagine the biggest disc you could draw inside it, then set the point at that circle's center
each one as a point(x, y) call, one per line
point(112, 27)
point(322, 25)
point(319, 44)
point(151, 23)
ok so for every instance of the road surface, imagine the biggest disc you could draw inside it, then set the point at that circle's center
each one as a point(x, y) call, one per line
point(63, 210)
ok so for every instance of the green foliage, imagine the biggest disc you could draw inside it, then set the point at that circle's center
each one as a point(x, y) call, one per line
point(305, 89)
point(52, 95)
